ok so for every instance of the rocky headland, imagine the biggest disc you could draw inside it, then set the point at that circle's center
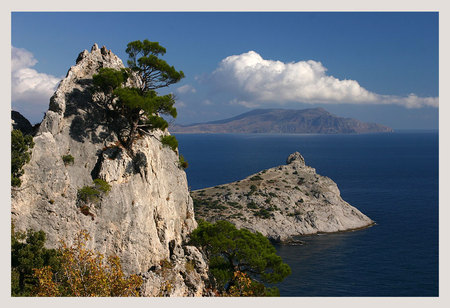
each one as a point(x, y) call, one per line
point(281, 202)
point(148, 213)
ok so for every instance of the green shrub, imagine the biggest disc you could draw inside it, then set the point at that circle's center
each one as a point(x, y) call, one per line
point(28, 253)
point(68, 159)
point(182, 162)
point(20, 155)
point(93, 193)
point(252, 205)
point(256, 178)
point(263, 213)
point(208, 204)
point(234, 204)
point(170, 141)
point(102, 185)
point(88, 194)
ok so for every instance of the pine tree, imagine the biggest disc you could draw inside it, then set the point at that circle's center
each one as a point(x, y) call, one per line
point(139, 107)
point(231, 251)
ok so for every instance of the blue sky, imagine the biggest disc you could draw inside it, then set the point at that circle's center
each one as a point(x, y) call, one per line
point(376, 67)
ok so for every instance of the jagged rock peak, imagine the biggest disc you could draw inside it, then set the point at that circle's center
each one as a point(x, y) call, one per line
point(147, 211)
point(77, 80)
point(295, 157)
point(95, 51)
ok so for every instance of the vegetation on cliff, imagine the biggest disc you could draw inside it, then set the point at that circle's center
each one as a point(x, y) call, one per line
point(20, 155)
point(136, 109)
point(70, 270)
point(239, 259)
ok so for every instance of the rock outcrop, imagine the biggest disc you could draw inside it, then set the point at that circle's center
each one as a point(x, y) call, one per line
point(147, 214)
point(281, 202)
point(21, 123)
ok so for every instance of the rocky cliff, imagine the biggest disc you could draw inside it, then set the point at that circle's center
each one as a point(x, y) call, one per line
point(147, 214)
point(284, 121)
point(281, 203)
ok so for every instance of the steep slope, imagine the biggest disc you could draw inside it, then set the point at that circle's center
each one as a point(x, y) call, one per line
point(281, 203)
point(148, 213)
point(307, 121)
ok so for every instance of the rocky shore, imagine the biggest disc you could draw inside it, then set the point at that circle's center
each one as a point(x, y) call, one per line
point(281, 202)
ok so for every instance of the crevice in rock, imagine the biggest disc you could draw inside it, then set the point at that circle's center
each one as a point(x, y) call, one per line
point(98, 165)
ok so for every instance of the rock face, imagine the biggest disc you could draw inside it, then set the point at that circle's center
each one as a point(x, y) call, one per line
point(284, 121)
point(281, 203)
point(147, 214)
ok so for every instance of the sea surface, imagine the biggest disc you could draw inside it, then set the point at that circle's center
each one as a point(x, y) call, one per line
point(392, 178)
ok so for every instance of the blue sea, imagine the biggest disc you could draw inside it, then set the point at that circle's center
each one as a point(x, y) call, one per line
point(392, 178)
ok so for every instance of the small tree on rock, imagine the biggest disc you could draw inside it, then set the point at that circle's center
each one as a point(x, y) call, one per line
point(232, 252)
point(138, 107)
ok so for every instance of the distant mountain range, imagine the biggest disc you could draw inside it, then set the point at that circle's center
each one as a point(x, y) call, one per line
point(284, 121)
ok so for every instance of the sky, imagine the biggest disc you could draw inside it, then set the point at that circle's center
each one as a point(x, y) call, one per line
point(375, 67)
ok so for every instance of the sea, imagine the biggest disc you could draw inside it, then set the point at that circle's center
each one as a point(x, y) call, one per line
point(391, 177)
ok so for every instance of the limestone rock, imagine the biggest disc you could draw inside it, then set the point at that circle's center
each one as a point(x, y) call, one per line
point(295, 158)
point(149, 205)
point(281, 202)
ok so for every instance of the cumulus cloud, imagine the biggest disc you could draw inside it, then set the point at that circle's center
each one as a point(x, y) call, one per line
point(180, 104)
point(27, 84)
point(255, 81)
point(186, 89)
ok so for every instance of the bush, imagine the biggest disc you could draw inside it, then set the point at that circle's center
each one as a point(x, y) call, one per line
point(89, 194)
point(68, 159)
point(20, 155)
point(28, 253)
point(85, 273)
point(102, 185)
point(256, 178)
point(182, 162)
point(263, 213)
point(252, 205)
point(170, 141)
point(92, 194)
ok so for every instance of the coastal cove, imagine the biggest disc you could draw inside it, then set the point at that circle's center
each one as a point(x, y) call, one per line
point(392, 178)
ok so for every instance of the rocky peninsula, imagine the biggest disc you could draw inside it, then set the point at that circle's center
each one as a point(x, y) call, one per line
point(281, 202)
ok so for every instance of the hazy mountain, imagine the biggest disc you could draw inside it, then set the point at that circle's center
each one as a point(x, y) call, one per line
point(289, 121)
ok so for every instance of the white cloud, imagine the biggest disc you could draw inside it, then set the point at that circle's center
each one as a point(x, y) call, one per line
point(180, 104)
point(186, 89)
point(27, 84)
point(255, 81)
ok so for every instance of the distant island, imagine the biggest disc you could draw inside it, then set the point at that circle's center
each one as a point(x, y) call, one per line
point(284, 121)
